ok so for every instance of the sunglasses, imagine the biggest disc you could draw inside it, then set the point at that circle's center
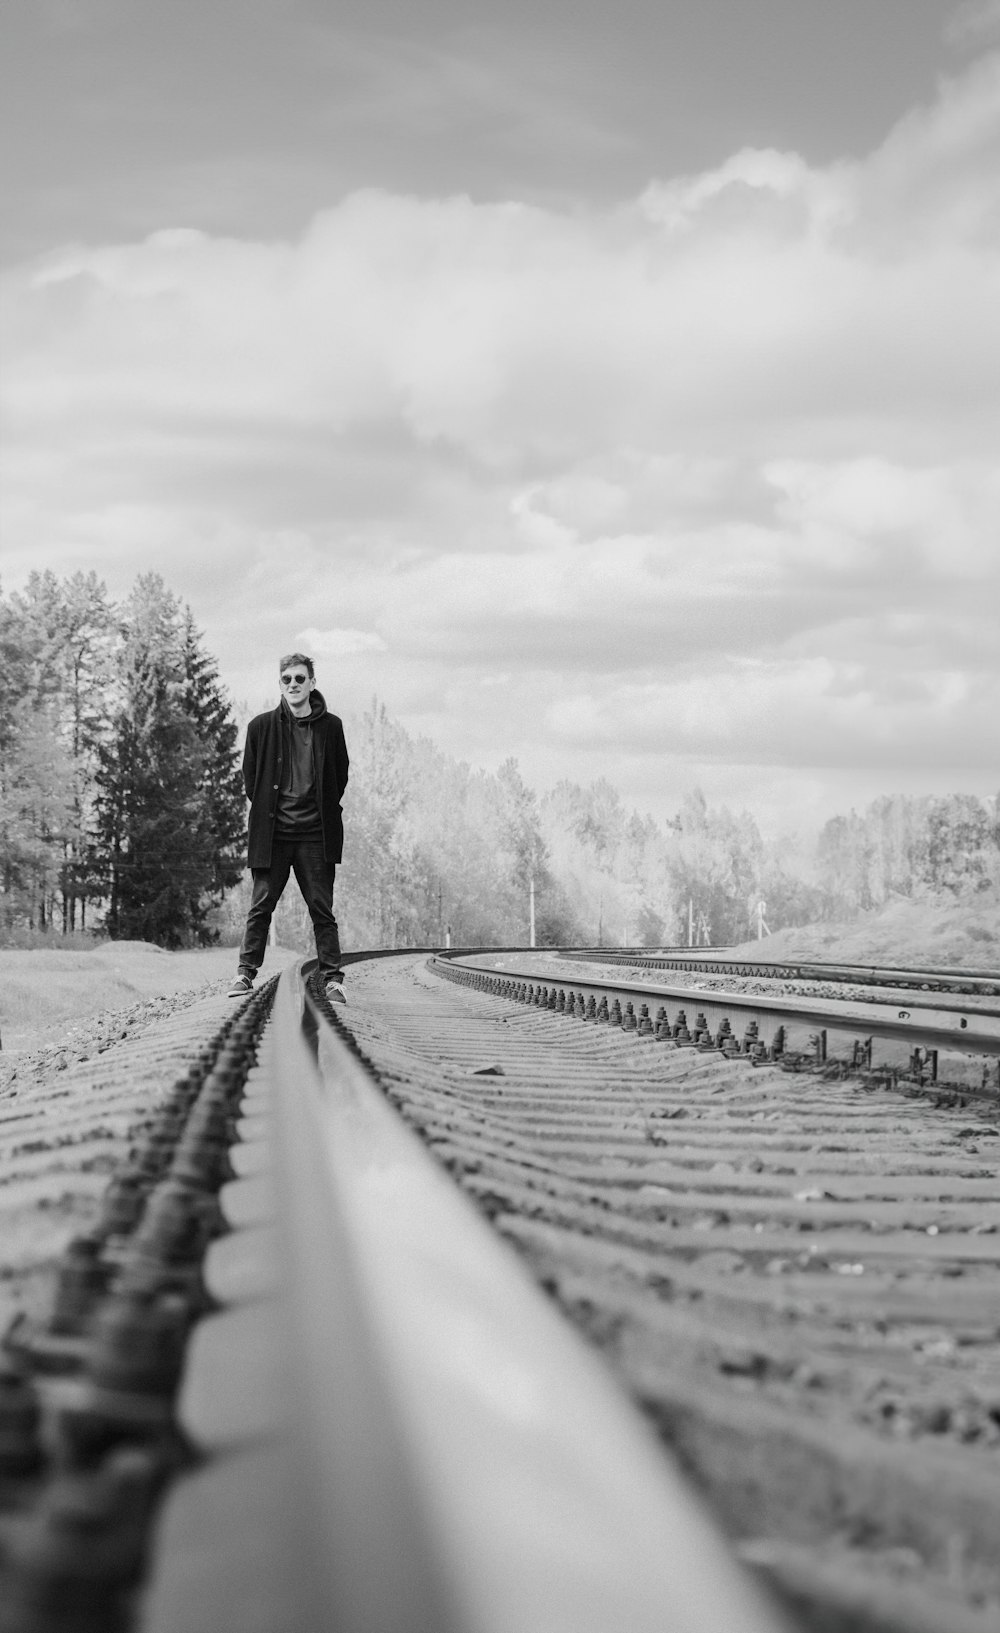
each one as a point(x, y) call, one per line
point(294, 680)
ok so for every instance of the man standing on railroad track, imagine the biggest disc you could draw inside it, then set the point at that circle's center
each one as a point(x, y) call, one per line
point(295, 772)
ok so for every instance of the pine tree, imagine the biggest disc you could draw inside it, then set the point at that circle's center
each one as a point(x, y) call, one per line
point(221, 784)
point(14, 681)
point(39, 806)
point(72, 636)
point(34, 779)
point(166, 827)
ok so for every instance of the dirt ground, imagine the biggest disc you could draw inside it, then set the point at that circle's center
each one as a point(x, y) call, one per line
point(73, 1094)
point(44, 990)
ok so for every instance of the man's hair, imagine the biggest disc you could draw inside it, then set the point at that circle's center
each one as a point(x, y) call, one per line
point(298, 657)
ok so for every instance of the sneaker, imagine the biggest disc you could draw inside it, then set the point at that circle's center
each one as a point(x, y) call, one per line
point(241, 986)
point(335, 992)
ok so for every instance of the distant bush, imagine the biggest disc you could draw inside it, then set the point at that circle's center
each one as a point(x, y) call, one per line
point(21, 938)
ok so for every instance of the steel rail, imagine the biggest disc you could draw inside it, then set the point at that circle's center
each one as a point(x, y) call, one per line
point(969, 981)
point(970, 1032)
point(307, 1491)
point(717, 962)
point(400, 1433)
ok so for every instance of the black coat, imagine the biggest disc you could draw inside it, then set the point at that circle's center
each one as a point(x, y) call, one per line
point(266, 749)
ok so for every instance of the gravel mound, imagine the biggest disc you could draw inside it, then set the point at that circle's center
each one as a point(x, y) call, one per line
point(80, 1041)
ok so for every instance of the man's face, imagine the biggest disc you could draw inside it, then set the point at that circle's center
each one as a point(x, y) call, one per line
point(296, 683)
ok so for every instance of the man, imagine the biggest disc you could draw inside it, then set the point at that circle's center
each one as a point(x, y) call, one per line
point(295, 772)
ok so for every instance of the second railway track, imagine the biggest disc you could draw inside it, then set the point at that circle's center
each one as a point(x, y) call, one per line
point(920, 978)
point(795, 1276)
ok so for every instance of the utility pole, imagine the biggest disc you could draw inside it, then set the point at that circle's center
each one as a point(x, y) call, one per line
point(531, 908)
point(690, 922)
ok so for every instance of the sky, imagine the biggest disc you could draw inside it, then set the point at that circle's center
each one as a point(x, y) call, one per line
point(613, 387)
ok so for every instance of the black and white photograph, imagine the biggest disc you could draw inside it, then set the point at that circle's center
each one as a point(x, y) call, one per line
point(499, 816)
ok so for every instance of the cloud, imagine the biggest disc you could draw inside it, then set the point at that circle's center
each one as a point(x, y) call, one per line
point(973, 22)
point(711, 473)
point(340, 643)
point(817, 713)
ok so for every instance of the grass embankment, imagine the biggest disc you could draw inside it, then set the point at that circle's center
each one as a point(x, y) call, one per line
point(42, 989)
point(941, 931)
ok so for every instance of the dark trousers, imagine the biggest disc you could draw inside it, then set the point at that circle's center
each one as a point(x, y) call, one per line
point(314, 877)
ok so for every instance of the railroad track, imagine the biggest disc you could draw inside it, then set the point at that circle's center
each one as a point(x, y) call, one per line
point(796, 1022)
point(979, 982)
point(793, 1273)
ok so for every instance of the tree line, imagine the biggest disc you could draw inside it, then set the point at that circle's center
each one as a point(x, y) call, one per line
point(122, 812)
point(121, 803)
point(436, 846)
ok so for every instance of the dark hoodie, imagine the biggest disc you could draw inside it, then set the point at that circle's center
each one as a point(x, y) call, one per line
point(297, 811)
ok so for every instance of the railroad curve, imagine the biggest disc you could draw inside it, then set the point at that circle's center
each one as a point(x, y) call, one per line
point(796, 1277)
